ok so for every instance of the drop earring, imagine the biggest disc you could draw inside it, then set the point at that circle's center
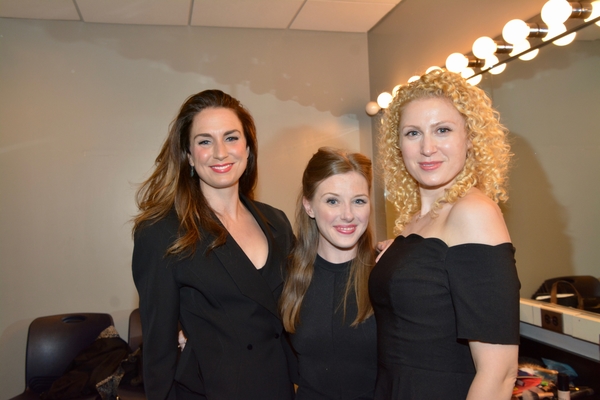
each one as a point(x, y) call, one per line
point(192, 171)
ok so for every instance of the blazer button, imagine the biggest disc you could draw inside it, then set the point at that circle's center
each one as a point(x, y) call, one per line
point(249, 347)
point(276, 336)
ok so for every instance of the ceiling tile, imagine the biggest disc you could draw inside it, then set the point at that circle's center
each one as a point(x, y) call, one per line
point(394, 2)
point(244, 13)
point(39, 9)
point(142, 12)
point(340, 16)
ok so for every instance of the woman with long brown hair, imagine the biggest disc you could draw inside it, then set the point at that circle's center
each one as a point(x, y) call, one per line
point(325, 305)
point(207, 256)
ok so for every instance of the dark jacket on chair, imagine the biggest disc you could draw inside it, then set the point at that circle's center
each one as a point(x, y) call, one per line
point(227, 308)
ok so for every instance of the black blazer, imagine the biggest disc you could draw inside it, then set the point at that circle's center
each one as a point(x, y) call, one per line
point(227, 309)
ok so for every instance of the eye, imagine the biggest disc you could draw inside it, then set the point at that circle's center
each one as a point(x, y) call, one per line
point(444, 130)
point(203, 142)
point(232, 138)
point(331, 200)
point(361, 201)
point(411, 133)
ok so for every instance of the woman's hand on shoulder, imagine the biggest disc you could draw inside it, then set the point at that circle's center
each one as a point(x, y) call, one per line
point(475, 218)
point(382, 247)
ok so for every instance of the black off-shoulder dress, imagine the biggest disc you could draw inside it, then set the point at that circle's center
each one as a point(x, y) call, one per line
point(429, 301)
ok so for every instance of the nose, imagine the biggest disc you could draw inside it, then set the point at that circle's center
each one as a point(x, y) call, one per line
point(347, 214)
point(428, 146)
point(219, 150)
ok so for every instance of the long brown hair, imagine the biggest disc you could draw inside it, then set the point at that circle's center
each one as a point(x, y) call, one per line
point(171, 185)
point(325, 163)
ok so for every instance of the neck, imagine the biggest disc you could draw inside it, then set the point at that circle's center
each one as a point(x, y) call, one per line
point(335, 255)
point(225, 201)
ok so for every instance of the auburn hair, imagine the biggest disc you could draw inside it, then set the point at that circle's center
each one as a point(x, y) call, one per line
point(324, 164)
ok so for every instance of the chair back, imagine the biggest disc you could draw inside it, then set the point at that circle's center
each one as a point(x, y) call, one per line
point(135, 330)
point(54, 341)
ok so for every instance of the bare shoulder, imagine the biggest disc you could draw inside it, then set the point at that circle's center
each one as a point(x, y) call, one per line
point(475, 218)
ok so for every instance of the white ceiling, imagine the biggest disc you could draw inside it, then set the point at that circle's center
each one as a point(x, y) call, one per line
point(315, 15)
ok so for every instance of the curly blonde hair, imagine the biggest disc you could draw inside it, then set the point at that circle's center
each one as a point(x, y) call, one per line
point(487, 162)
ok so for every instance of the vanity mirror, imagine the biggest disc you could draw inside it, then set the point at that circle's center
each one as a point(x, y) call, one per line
point(551, 106)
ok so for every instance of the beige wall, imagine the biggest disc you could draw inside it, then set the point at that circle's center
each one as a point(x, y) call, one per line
point(84, 109)
point(550, 105)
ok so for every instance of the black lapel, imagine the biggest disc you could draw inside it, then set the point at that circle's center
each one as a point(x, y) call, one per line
point(249, 280)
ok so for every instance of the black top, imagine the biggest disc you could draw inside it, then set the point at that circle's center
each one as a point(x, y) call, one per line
point(227, 309)
point(429, 300)
point(335, 360)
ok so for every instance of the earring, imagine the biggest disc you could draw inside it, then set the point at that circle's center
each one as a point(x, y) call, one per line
point(192, 171)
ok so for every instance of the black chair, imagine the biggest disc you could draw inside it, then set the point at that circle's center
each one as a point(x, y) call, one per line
point(52, 343)
point(134, 338)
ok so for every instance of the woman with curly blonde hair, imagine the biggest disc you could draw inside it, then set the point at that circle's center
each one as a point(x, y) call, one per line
point(446, 292)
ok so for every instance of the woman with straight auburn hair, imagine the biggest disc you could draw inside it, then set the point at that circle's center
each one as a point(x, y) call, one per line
point(325, 305)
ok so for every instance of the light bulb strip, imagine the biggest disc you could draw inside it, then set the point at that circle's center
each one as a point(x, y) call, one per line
point(581, 10)
point(542, 44)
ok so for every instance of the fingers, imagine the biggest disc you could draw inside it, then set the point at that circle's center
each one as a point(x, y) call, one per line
point(182, 340)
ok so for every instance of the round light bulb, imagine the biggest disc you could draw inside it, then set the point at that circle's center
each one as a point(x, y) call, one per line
point(467, 73)
point(595, 12)
point(563, 41)
point(456, 62)
point(515, 31)
point(414, 78)
point(490, 62)
point(474, 80)
point(553, 31)
point(530, 56)
point(498, 70)
point(484, 47)
point(556, 11)
point(395, 90)
point(384, 99)
point(520, 47)
point(432, 68)
point(372, 108)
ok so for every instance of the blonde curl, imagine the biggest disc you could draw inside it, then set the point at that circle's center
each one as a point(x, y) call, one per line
point(487, 162)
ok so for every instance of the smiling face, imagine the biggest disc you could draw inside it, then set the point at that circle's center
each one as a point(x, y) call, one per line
point(341, 209)
point(434, 142)
point(218, 150)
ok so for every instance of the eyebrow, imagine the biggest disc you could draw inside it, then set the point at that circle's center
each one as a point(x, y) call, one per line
point(338, 195)
point(435, 124)
point(210, 134)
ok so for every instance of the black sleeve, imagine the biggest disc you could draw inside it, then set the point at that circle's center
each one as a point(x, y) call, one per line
point(159, 307)
point(485, 291)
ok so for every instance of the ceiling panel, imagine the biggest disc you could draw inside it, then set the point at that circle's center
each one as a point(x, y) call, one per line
point(39, 9)
point(245, 14)
point(322, 15)
point(144, 12)
point(340, 16)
